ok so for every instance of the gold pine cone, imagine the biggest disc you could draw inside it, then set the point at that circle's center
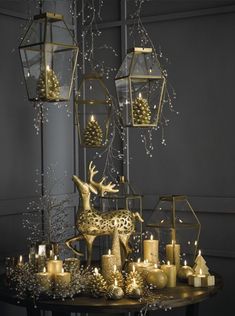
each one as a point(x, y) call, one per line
point(141, 111)
point(118, 276)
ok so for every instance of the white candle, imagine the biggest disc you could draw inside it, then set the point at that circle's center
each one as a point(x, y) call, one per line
point(151, 249)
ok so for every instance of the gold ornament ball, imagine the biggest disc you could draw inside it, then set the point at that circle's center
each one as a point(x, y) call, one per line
point(157, 277)
point(184, 272)
point(115, 292)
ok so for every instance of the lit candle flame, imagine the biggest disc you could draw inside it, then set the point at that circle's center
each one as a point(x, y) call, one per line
point(55, 257)
point(109, 252)
point(21, 259)
point(138, 260)
point(44, 270)
point(114, 268)
point(62, 270)
point(140, 95)
point(48, 68)
point(96, 271)
point(155, 265)
point(168, 263)
point(151, 237)
point(36, 256)
point(199, 252)
point(185, 262)
point(133, 268)
point(92, 118)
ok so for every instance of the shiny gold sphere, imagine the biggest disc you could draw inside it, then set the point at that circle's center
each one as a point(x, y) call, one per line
point(157, 277)
point(115, 292)
point(184, 272)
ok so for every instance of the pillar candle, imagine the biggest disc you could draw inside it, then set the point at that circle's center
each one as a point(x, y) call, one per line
point(62, 279)
point(170, 271)
point(173, 254)
point(151, 250)
point(107, 263)
point(44, 279)
point(54, 266)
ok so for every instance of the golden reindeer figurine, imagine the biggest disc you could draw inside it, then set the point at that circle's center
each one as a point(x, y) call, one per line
point(92, 223)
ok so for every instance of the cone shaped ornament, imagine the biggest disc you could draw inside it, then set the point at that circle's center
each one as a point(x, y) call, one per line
point(141, 111)
point(93, 134)
point(97, 285)
point(48, 86)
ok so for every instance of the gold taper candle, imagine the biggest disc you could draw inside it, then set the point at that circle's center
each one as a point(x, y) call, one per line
point(151, 250)
point(173, 254)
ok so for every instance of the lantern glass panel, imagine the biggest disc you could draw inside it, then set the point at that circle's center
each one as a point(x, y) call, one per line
point(175, 220)
point(145, 65)
point(125, 68)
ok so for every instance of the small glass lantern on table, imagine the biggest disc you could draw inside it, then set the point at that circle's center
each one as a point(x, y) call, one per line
point(178, 228)
point(126, 199)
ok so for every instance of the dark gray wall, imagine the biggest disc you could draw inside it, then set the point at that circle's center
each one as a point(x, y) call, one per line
point(198, 37)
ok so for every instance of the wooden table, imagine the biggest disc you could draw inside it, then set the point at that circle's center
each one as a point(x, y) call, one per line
point(180, 296)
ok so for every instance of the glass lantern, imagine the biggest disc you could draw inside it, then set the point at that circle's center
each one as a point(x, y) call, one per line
point(177, 226)
point(49, 55)
point(126, 199)
point(93, 109)
point(140, 87)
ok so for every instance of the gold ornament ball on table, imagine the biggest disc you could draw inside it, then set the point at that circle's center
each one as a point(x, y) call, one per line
point(157, 278)
point(50, 81)
point(114, 291)
point(97, 285)
point(184, 272)
point(141, 111)
point(93, 134)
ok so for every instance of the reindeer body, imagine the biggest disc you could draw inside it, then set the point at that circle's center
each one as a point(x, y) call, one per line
point(92, 223)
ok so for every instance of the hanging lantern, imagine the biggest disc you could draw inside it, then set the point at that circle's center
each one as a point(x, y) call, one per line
point(140, 87)
point(93, 109)
point(48, 54)
point(178, 228)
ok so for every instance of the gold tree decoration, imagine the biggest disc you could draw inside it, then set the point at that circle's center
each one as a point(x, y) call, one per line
point(97, 286)
point(93, 134)
point(48, 85)
point(141, 111)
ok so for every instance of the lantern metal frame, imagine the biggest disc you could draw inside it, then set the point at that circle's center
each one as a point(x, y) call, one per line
point(173, 226)
point(137, 51)
point(49, 19)
point(83, 102)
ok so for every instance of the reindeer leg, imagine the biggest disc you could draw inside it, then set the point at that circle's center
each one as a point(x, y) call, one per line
point(89, 241)
point(125, 241)
point(71, 240)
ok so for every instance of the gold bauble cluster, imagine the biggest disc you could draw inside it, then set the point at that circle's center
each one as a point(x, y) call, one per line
point(141, 111)
point(93, 134)
point(48, 86)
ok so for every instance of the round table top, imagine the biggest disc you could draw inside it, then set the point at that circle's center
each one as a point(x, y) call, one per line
point(181, 295)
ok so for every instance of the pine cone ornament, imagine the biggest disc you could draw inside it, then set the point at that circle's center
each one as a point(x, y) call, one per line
point(141, 111)
point(53, 86)
point(117, 275)
point(93, 134)
point(138, 279)
point(97, 285)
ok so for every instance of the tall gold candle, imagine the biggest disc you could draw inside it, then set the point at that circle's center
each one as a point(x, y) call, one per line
point(54, 266)
point(173, 254)
point(151, 250)
point(170, 271)
point(107, 263)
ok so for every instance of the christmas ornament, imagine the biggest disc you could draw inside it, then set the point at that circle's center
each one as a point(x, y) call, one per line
point(116, 275)
point(115, 292)
point(157, 278)
point(48, 86)
point(92, 223)
point(134, 275)
point(200, 266)
point(97, 286)
point(93, 134)
point(141, 111)
point(184, 272)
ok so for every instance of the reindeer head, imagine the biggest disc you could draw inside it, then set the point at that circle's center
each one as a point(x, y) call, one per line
point(83, 187)
point(99, 186)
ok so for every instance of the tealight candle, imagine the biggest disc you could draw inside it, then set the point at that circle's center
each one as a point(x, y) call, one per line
point(173, 253)
point(157, 277)
point(196, 280)
point(54, 266)
point(62, 279)
point(170, 271)
point(184, 272)
point(44, 279)
point(107, 263)
point(151, 249)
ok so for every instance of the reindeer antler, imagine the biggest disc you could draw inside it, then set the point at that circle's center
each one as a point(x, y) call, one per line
point(101, 188)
